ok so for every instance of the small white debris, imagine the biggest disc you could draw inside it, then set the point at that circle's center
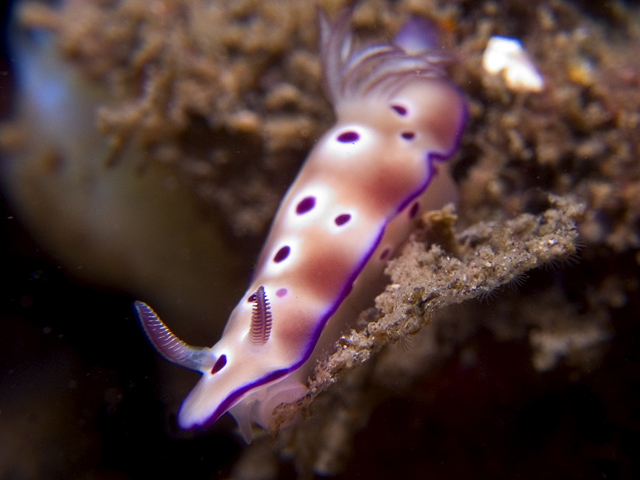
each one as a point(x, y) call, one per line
point(507, 55)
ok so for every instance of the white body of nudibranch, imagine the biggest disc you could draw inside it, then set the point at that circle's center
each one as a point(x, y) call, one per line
point(351, 206)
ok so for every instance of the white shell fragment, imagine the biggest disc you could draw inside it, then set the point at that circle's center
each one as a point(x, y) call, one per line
point(506, 55)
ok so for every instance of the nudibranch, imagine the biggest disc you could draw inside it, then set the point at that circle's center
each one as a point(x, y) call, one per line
point(352, 205)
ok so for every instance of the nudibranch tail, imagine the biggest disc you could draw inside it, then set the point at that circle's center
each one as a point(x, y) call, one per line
point(418, 36)
point(168, 344)
point(261, 318)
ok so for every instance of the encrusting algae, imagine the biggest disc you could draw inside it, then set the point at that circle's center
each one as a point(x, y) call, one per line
point(224, 99)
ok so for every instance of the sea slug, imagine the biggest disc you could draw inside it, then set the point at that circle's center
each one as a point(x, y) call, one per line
point(352, 205)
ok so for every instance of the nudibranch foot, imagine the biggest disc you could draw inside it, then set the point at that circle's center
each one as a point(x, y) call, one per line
point(257, 409)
